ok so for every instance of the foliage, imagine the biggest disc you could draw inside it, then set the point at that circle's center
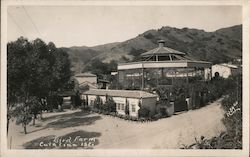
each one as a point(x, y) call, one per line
point(232, 138)
point(136, 53)
point(35, 71)
point(98, 102)
point(109, 105)
point(163, 112)
point(101, 69)
point(197, 44)
point(77, 100)
point(127, 109)
point(143, 112)
point(35, 107)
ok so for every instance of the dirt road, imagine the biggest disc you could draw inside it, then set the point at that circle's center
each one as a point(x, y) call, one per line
point(112, 132)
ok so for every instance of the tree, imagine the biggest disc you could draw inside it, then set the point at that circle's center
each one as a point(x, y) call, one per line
point(35, 108)
point(35, 72)
point(101, 69)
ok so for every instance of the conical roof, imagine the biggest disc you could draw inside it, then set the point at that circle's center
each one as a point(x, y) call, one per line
point(161, 50)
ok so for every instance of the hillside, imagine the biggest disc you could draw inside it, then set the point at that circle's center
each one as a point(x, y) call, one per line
point(219, 46)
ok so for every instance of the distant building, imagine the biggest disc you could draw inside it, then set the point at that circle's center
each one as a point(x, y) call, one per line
point(225, 70)
point(66, 98)
point(123, 98)
point(86, 80)
point(114, 73)
point(103, 83)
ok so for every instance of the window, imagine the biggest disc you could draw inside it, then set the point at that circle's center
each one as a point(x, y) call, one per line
point(133, 108)
point(120, 106)
point(123, 106)
point(91, 102)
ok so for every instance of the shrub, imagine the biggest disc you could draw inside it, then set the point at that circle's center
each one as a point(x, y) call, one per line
point(143, 112)
point(163, 112)
point(149, 36)
point(97, 102)
point(127, 109)
point(104, 107)
point(110, 105)
point(157, 116)
point(232, 138)
point(112, 113)
point(127, 117)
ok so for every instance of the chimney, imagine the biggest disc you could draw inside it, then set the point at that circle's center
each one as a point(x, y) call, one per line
point(161, 43)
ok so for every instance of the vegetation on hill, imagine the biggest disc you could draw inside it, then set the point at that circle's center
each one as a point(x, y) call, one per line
point(219, 46)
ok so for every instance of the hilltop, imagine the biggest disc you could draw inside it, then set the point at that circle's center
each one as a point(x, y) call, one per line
point(222, 45)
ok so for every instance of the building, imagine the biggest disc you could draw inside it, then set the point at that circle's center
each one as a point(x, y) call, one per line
point(66, 99)
point(103, 83)
point(87, 80)
point(122, 98)
point(225, 70)
point(161, 66)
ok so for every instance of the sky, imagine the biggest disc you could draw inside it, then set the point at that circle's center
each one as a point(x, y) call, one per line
point(68, 26)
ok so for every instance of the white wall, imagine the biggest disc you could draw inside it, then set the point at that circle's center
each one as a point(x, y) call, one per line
point(149, 103)
point(120, 100)
point(208, 74)
point(91, 98)
point(224, 71)
point(133, 101)
point(103, 98)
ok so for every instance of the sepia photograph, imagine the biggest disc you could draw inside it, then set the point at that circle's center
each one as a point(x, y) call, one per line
point(103, 76)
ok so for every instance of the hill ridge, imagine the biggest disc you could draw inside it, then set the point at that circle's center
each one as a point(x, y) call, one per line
point(219, 46)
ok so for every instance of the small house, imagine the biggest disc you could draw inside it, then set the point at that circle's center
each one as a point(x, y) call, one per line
point(225, 70)
point(86, 77)
point(134, 100)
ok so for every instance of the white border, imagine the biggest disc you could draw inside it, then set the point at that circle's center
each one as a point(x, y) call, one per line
point(127, 152)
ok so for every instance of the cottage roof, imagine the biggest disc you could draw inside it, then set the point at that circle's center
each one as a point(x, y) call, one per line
point(229, 65)
point(120, 93)
point(85, 75)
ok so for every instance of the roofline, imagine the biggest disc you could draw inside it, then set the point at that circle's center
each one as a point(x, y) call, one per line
point(175, 61)
point(228, 66)
point(85, 76)
point(121, 96)
point(103, 94)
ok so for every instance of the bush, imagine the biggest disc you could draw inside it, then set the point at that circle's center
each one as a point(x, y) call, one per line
point(98, 102)
point(232, 103)
point(127, 117)
point(112, 113)
point(163, 112)
point(127, 109)
point(157, 116)
point(143, 112)
point(110, 105)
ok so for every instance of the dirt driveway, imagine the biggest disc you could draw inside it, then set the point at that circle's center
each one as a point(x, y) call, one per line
point(111, 132)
